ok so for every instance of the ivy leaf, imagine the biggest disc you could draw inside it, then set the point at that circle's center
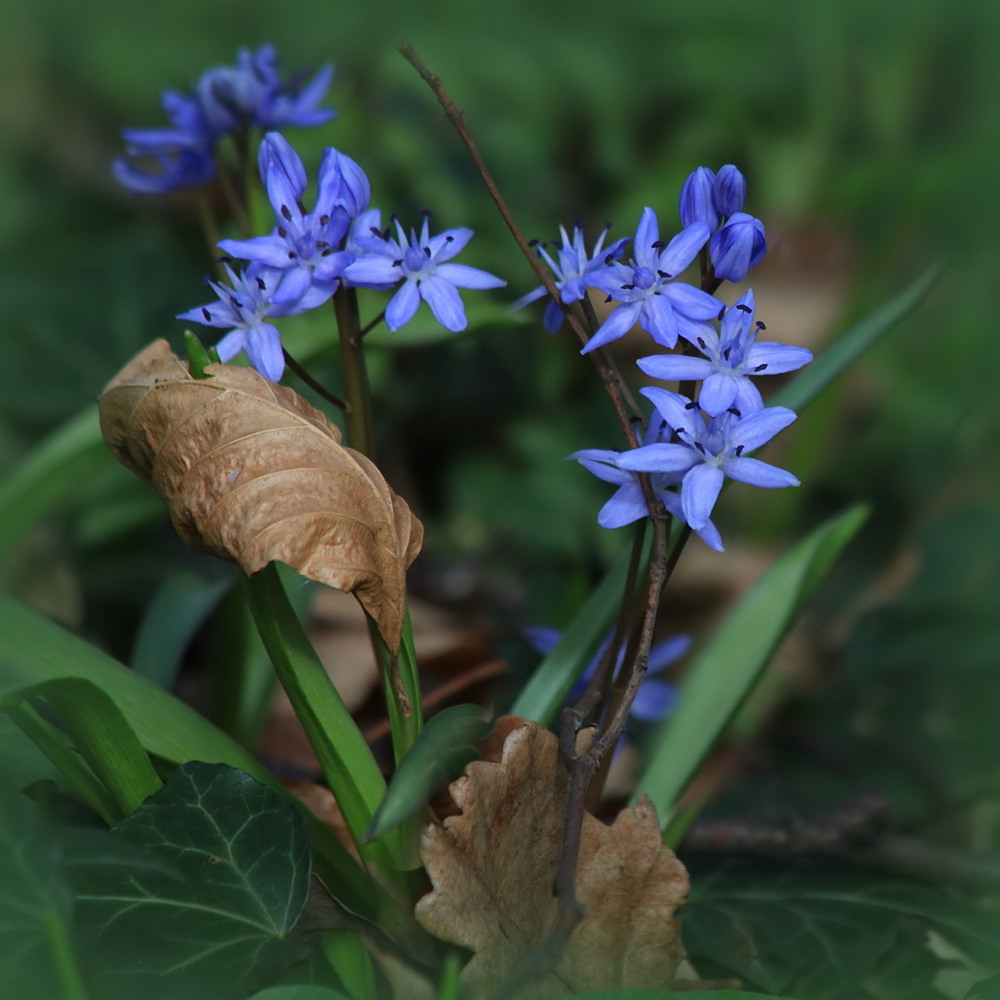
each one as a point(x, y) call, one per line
point(826, 930)
point(219, 918)
point(36, 957)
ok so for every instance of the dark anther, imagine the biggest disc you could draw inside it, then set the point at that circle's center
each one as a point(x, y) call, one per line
point(326, 252)
point(700, 447)
point(743, 307)
point(206, 314)
point(292, 255)
point(321, 244)
point(627, 287)
point(286, 213)
point(736, 413)
point(659, 245)
point(427, 252)
point(663, 274)
point(261, 285)
point(534, 243)
point(225, 259)
point(701, 344)
point(692, 405)
point(609, 299)
point(727, 352)
point(427, 213)
point(760, 326)
point(385, 235)
point(282, 232)
point(609, 260)
point(449, 239)
point(396, 263)
point(760, 368)
point(722, 312)
point(739, 451)
point(324, 220)
point(235, 302)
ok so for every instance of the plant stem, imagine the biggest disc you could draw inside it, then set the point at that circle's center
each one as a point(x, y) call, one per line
point(358, 419)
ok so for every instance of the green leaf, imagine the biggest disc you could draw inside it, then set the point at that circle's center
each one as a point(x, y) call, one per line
point(198, 357)
point(734, 658)
point(826, 930)
point(220, 920)
point(36, 959)
point(102, 736)
point(848, 347)
point(440, 753)
point(50, 474)
point(172, 618)
point(346, 760)
point(543, 695)
point(34, 649)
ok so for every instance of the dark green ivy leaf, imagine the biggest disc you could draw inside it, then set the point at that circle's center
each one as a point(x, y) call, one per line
point(219, 919)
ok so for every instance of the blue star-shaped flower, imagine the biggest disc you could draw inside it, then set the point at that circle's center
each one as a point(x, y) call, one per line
point(646, 289)
point(420, 262)
point(571, 270)
point(731, 357)
point(708, 451)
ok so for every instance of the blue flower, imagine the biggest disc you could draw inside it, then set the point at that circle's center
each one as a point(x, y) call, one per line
point(738, 246)
point(420, 263)
point(655, 699)
point(711, 197)
point(226, 100)
point(731, 357)
point(628, 504)
point(571, 270)
point(729, 191)
point(709, 449)
point(245, 305)
point(646, 290)
point(305, 245)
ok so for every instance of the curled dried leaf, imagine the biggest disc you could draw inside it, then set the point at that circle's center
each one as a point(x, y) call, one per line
point(493, 869)
point(252, 473)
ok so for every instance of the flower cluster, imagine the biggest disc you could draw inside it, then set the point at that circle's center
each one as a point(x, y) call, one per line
point(693, 443)
point(309, 255)
point(226, 100)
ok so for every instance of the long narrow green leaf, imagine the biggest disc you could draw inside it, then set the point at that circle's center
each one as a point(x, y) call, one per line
point(855, 341)
point(49, 474)
point(175, 614)
point(734, 658)
point(34, 649)
point(343, 754)
point(543, 695)
point(62, 756)
point(101, 735)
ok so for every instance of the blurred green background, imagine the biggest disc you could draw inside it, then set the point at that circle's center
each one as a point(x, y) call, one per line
point(869, 137)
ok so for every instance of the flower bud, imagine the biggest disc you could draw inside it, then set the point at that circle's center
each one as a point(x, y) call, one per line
point(281, 170)
point(739, 245)
point(696, 204)
point(729, 191)
point(342, 184)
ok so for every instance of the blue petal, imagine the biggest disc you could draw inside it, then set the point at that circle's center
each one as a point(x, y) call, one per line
point(615, 326)
point(230, 345)
point(271, 251)
point(779, 358)
point(263, 348)
point(658, 458)
point(654, 700)
point(626, 506)
point(691, 302)
point(699, 491)
point(526, 300)
point(683, 249)
point(758, 428)
point(756, 473)
point(445, 302)
point(372, 272)
point(464, 276)
point(402, 306)
point(676, 367)
point(717, 394)
point(658, 320)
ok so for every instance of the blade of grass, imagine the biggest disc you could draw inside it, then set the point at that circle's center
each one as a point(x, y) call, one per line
point(734, 658)
point(344, 756)
point(102, 736)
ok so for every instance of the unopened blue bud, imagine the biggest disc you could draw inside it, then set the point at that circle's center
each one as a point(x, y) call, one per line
point(342, 184)
point(696, 202)
point(730, 190)
point(739, 245)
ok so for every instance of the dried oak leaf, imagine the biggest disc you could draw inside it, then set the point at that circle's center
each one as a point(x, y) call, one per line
point(252, 473)
point(493, 869)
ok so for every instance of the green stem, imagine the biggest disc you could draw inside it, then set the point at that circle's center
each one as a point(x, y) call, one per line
point(358, 421)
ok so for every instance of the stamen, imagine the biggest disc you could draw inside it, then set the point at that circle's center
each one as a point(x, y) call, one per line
point(739, 451)
point(286, 213)
point(743, 307)
point(206, 314)
point(760, 368)
point(324, 220)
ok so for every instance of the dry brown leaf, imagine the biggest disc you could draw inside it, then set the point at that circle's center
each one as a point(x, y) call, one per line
point(252, 473)
point(493, 869)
